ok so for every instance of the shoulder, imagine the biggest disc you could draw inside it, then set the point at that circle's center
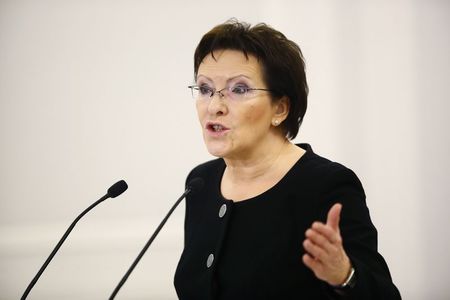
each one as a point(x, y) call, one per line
point(325, 174)
point(331, 182)
point(322, 167)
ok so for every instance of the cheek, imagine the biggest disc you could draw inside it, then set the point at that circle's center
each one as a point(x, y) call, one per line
point(256, 114)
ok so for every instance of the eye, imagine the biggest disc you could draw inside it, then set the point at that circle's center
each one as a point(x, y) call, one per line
point(239, 89)
point(205, 90)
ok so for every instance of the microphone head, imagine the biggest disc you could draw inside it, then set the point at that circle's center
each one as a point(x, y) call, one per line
point(117, 188)
point(195, 184)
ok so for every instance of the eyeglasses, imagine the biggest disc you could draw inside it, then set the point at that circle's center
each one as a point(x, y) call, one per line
point(235, 92)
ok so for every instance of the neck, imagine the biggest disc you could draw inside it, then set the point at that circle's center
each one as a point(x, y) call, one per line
point(257, 163)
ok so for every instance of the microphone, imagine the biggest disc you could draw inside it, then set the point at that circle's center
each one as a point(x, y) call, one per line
point(114, 191)
point(194, 186)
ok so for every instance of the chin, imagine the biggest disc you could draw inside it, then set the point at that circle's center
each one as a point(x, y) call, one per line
point(217, 150)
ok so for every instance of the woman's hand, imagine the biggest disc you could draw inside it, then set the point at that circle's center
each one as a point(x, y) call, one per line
point(325, 255)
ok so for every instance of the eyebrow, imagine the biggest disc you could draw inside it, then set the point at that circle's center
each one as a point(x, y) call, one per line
point(228, 80)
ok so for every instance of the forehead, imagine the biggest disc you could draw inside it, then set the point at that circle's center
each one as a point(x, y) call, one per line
point(226, 64)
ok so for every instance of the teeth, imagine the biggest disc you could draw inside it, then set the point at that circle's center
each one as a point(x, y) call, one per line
point(217, 127)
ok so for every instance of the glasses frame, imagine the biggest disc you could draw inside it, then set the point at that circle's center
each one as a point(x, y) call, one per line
point(228, 88)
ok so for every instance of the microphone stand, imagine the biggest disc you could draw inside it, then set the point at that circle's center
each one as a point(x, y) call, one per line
point(114, 191)
point(61, 241)
point(147, 245)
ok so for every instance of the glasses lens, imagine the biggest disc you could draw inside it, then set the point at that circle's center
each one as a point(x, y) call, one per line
point(238, 91)
point(201, 92)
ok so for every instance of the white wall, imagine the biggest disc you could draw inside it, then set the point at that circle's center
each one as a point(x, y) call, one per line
point(95, 91)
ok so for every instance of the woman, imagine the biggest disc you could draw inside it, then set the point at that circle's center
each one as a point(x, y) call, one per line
point(274, 220)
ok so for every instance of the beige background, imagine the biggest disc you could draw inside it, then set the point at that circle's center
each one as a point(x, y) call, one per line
point(95, 91)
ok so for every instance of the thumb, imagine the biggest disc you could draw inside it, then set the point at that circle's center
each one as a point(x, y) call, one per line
point(334, 216)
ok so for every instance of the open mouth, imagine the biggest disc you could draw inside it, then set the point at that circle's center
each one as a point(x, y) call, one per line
point(215, 127)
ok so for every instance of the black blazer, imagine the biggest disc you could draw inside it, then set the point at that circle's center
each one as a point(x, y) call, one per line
point(252, 249)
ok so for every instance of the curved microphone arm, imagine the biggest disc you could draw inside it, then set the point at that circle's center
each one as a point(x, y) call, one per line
point(147, 245)
point(61, 241)
point(114, 191)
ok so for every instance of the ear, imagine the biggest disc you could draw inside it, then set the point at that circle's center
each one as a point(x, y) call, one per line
point(280, 110)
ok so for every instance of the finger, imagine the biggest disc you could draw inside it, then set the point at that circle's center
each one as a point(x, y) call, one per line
point(314, 250)
point(327, 231)
point(334, 216)
point(320, 240)
point(314, 265)
point(311, 263)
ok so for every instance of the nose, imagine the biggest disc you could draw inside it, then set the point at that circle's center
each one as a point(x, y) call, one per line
point(221, 94)
point(216, 105)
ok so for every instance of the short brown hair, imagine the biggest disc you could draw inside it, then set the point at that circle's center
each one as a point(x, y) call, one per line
point(281, 60)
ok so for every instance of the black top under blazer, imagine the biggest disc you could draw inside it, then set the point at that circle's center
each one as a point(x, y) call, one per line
point(252, 249)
